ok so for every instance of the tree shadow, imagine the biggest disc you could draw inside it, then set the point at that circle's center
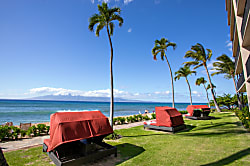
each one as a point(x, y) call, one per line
point(212, 134)
point(128, 151)
point(213, 125)
point(143, 135)
point(230, 159)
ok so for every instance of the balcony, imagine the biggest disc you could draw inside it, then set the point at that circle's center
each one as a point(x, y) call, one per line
point(241, 83)
point(238, 61)
point(240, 7)
point(248, 69)
point(245, 27)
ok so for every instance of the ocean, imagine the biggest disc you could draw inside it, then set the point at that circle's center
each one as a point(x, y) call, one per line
point(25, 111)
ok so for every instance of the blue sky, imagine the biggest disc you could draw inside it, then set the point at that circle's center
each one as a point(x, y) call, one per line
point(46, 48)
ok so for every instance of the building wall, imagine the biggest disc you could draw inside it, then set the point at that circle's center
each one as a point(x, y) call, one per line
point(239, 22)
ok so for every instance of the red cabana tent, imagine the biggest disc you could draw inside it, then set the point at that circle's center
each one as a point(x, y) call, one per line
point(167, 118)
point(72, 126)
point(191, 108)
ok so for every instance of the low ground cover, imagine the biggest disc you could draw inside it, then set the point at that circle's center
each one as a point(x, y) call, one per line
point(219, 141)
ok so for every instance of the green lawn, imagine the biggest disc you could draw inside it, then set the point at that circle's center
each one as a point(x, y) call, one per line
point(222, 141)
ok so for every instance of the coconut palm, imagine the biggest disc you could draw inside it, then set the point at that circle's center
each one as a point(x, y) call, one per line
point(105, 19)
point(200, 81)
point(226, 66)
point(200, 58)
point(161, 47)
point(3, 161)
point(185, 72)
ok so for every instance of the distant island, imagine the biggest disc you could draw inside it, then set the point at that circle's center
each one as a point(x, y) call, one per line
point(79, 98)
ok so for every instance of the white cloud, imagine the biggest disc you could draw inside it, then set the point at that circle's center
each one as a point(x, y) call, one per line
point(127, 1)
point(195, 92)
point(92, 1)
point(229, 43)
point(130, 30)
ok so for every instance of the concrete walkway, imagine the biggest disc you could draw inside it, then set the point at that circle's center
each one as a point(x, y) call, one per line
point(35, 141)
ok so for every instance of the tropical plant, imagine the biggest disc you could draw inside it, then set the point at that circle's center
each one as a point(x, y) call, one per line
point(161, 47)
point(226, 66)
point(200, 81)
point(200, 58)
point(185, 72)
point(105, 19)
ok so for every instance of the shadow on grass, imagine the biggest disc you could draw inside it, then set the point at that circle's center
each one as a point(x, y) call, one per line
point(218, 133)
point(214, 125)
point(231, 158)
point(128, 151)
point(143, 135)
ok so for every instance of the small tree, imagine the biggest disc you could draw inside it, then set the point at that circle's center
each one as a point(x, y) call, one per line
point(185, 72)
point(200, 81)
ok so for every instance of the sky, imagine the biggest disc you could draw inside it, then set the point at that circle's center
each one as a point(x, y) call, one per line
point(46, 48)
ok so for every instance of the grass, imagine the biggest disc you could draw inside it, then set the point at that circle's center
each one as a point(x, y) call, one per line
point(221, 141)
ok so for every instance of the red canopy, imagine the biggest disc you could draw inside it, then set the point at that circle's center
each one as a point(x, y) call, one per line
point(168, 116)
point(72, 126)
point(191, 108)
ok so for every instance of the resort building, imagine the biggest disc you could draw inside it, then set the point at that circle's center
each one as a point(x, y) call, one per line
point(239, 22)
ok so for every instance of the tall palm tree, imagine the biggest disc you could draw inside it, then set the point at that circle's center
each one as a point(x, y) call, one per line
point(200, 81)
point(185, 72)
point(200, 58)
point(226, 66)
point(105, 19)
point(161, 47)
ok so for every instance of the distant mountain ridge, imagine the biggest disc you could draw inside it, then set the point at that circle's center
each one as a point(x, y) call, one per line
point(79, 98)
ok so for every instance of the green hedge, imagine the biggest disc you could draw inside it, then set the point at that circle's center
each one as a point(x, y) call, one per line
point(13, 132)
point(244, 116)
point(132, 119)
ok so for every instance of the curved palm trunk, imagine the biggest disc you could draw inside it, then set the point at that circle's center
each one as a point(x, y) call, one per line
point(111, 81)
point(212, 89)
point(3, 161)
point(207, 96)
point(172, 81)
point(189, 91)
point(238, 97)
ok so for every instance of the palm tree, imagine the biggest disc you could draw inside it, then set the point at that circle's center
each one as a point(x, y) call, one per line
point(185, 72)
point(226, 66)
point(161, 47)
point(200, 81)
point(105, 19)
point(200, 57)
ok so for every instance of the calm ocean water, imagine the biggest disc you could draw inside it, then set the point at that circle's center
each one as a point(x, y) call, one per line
point(25, 111)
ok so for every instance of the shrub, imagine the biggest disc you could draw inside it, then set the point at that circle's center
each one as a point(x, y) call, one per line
point(41, 128)
point(140, 118)
point(244, 116)
point(33, 130)
point(23, 133)
point(114, 121)
point(183, 112)
point(113, 136)
point(4, 132)
point(153, 116)
point(146, 117)
point(47, 129)
point(135, 117)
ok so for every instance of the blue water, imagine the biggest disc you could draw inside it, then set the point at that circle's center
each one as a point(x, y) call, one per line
point(25, 111)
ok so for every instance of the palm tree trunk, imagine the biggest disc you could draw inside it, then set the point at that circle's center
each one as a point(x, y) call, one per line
point(111, 81)
point(172, 81)
point(212, 89)
point(207, 96)
point(189, 91)
point(3, 161)
point(237, 94)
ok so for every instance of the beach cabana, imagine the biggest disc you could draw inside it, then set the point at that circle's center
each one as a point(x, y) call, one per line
point(77, 137)
point(167, 119)
point(198, 112)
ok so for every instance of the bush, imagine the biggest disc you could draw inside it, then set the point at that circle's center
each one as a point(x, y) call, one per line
point(146, 117)
point(41, 128)
point(244, 116)
point(47, 129)
point(4, 132)
point(153, 116)
point(183, 112)
point(113, 136)
point(32, 130)
point(23, 133)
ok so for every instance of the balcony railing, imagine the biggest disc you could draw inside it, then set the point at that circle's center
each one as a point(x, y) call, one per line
point(237, 3)
point(245, 16)
point(234, 29)
point(248, 68)
point(237, 56)
point(240, 81)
